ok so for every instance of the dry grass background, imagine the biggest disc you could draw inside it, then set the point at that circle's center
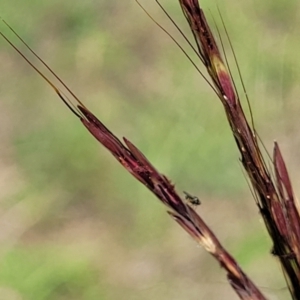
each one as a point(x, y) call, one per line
point(74, 224)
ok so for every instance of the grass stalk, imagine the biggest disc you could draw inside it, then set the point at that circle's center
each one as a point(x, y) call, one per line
point(273, 193)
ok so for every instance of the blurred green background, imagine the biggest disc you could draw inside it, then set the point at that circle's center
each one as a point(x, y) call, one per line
point(74, 224)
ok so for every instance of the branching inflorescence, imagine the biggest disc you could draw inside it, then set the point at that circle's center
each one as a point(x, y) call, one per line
point(274, 196)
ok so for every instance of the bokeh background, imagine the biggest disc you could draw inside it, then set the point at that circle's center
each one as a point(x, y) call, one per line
point(74, 224)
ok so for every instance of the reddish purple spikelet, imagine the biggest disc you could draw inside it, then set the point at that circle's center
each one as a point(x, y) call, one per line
point(290, 226)
point(209, 51)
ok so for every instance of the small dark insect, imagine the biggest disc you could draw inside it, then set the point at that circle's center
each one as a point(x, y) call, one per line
point(193, 200)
